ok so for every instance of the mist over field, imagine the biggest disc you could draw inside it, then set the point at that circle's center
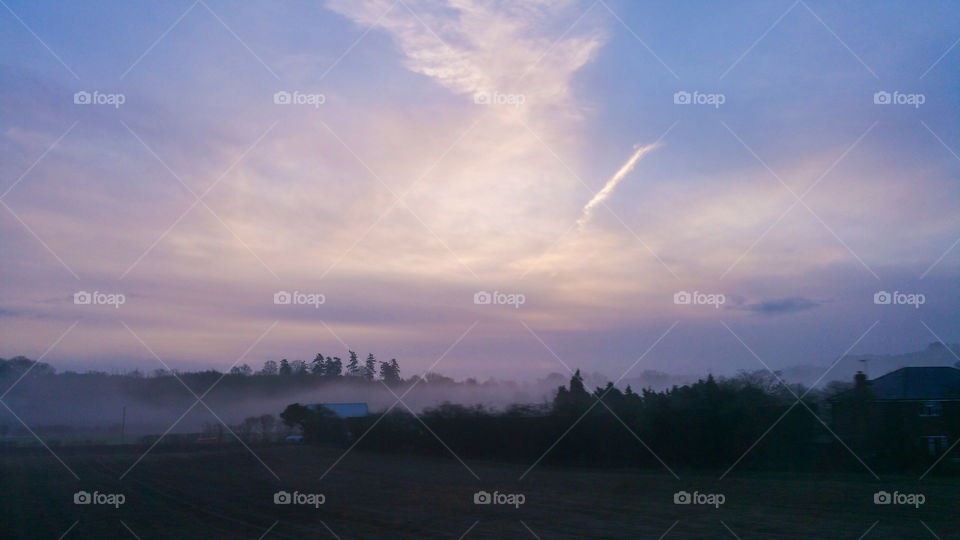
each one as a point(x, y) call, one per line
point(95, 401)
point(92, 403)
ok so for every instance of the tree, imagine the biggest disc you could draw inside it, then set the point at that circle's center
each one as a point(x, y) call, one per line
point(22, 364)
point(334, 367)
point(390, 372)
point(370, 367)
point(353, 366)
point(243, 371)
point(316, 423)
point(318, 365)
point(296, 415)
point(246, 429)
point(395, 367)
point(631, 401)
point(269, 368)
point(574, 400)
point(576, 384)
point(267, 422)
point(299, 367)
point(285, 368)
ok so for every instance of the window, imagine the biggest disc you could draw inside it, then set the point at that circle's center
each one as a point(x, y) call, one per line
point(931, 408)
point(936, 444)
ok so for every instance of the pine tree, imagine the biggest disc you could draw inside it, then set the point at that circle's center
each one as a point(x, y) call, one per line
point(370, 367)
point(576, 385)
point(574, 400)
point(395, 368)
point(353, 366)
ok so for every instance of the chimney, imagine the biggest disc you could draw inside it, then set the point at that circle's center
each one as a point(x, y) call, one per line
point(860, 381)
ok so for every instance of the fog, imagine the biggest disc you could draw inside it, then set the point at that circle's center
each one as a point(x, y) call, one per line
point(92, 406)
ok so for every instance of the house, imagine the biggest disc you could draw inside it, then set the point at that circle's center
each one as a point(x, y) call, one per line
point(344, 410)
point(353, 415)
point(912, 410)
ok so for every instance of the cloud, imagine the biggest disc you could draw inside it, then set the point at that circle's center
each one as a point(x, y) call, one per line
point(604, 193)
point(469, 46)
point(780, 306)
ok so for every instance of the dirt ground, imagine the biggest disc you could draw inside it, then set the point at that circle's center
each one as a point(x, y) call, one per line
point(229, 493)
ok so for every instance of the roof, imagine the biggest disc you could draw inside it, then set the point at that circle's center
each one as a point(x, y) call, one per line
point(344, 410)
point(918, 383)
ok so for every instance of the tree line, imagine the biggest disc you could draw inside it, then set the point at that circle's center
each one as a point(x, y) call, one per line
point(751, 420)
point(329, 367)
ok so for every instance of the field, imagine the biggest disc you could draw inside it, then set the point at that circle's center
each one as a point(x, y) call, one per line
point(228, 493)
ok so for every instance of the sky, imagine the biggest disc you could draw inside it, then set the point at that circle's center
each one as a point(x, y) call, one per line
point(393, 165)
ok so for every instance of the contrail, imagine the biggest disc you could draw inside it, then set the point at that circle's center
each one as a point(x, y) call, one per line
point(604, 193)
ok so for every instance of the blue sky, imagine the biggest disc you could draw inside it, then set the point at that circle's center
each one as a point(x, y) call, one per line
point(400, 196)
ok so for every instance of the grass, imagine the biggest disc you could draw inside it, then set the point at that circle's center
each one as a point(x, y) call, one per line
point(228, 493)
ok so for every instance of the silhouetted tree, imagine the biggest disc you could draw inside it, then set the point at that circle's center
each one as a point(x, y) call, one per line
point(285, 368)
point(316, 423)
point(395, 367)
point(243, 370)
point(296, 415)
point(319, 365)
point(353, 366)
point(390, 372)
point(246, 429)
point(299, 367)
point(632, 403)
point(267, 423)
point(269, 368)
point(370, 367)
point(574, 400)
point(20, 364)
point(334, 367)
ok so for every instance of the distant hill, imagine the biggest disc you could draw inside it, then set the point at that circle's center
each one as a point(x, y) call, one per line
point(874, 365)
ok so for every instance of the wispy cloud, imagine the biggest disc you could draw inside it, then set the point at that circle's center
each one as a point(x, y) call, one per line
point(780, 306)
point(604, 193)
point(471, 46)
